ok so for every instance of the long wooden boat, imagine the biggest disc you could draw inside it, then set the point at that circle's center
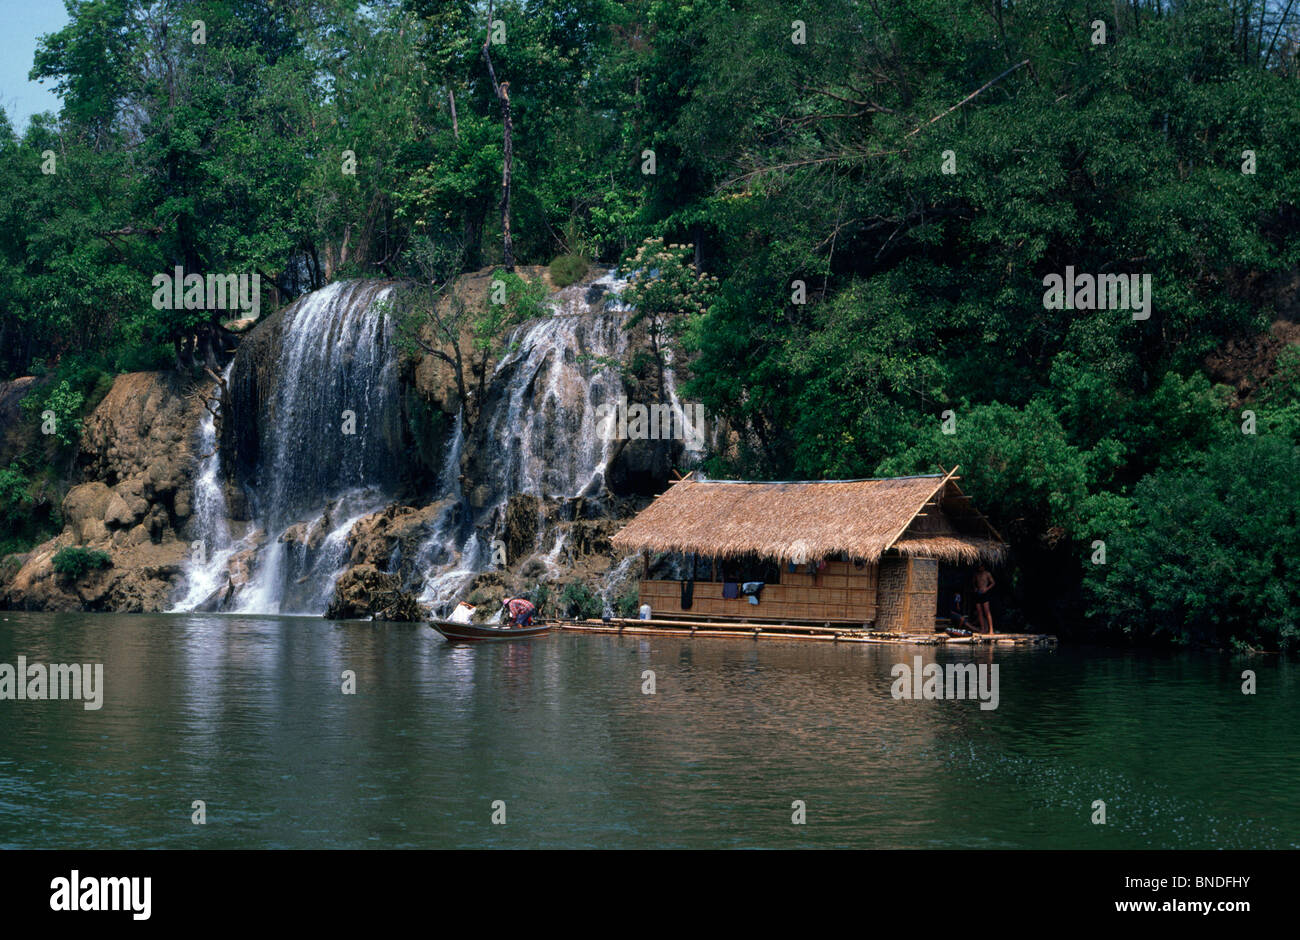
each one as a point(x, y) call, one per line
point(473, 632)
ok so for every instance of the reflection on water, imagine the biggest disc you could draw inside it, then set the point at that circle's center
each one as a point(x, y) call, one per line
point(247, 713)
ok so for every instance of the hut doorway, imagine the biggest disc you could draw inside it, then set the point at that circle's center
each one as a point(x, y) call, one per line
point(954, 580)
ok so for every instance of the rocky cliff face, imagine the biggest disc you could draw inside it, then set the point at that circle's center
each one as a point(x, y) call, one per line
point(133, 500)
point(16, 436)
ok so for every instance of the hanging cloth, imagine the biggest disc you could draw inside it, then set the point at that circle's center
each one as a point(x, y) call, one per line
point(688, 581)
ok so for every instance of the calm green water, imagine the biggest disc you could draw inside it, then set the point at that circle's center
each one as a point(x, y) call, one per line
point(246, 713)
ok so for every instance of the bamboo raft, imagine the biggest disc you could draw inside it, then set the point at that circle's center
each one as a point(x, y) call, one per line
point(794, 631)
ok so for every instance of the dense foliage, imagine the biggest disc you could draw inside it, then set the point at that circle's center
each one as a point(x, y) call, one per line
point(878, 188)
point(580, 602)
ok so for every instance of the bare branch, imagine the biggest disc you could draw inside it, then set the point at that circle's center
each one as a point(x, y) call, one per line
point(990, 83)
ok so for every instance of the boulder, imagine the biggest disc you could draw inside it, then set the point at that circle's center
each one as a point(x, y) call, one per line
point(118, 514)
point(35, 587)
point(140, 580)
point(84, 511)
point(164, 477)
point(308, 534)
point(142, 430)
point(643, 467)
point(394, 532)
point(239, 569)
point(365, 591)
point(159, 524)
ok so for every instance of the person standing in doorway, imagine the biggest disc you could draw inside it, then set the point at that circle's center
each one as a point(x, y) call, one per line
point(984, 584)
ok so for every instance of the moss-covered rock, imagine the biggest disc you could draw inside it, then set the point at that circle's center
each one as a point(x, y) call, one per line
point(365, 591)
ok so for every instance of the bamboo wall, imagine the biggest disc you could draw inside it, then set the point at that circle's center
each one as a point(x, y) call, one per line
point(841, 593)
point(908, 595)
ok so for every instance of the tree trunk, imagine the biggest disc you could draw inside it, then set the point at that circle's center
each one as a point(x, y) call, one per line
point(473, 236)
point(507, 159)
point(502, 90)
point(459, 364)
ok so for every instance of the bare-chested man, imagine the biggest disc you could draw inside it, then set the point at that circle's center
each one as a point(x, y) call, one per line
point(983, 594)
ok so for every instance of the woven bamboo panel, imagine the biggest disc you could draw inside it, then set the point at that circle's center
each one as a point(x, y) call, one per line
point(777, 601)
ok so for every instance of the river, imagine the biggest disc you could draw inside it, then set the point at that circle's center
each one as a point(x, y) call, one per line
point(246, 713)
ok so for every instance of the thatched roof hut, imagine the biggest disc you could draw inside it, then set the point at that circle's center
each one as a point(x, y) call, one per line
point(798, 522)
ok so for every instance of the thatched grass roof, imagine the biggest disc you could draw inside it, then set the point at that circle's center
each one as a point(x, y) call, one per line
point(962, 550)
point(804, 521)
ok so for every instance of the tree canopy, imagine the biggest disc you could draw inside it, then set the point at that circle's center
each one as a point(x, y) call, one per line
point(875, 191)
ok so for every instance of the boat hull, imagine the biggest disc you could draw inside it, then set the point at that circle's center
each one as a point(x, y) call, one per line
point(473, 633)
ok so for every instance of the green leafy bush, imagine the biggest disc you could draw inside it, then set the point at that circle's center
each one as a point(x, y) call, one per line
point(579, 602)
point(568, 269)
point(540, 595)
point(64, 404)
point(15, 496)
point(29, 513)
point(73, 563)
point(626, 606)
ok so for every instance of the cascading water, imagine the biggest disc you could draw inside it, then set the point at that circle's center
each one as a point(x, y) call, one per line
point(696, 441)
point(208, 558)
point(547, 428)
point(538, 431)
point(327, 450)
point(334, 423)
point(313, 436)
point(331, 437)
point(449, 558)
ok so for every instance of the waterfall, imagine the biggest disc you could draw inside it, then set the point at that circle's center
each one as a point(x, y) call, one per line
point(312, 438)
point(211, 551)
point(451, 556)
point(332, 449)
point(326, 444)
point(333, 424)
point(449, 478)
point(695, 445)
point(537, 433)
point(544, 435)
